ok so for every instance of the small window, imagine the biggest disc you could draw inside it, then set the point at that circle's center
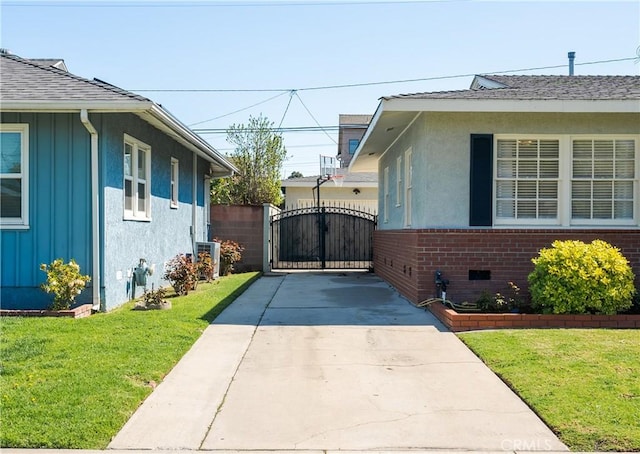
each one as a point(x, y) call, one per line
point(408, 184)
point(385, 208)
point(399, 188)
point(14, 175)
point(174, 182)
point(137, 180)
point(353, 145)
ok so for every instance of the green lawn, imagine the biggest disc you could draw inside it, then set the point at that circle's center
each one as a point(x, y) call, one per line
point(585, 384)
point(68, 383)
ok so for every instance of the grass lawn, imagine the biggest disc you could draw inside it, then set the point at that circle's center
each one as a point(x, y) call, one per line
point(68, 383)
point(585, 384)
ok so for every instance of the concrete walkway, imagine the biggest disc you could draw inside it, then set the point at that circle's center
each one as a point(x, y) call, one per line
point(331, 362)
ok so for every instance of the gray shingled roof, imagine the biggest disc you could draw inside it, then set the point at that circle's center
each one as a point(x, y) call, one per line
point(501, 87)
point(23, 80)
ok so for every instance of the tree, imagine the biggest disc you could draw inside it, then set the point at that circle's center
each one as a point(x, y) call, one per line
point(295, 174)
point(258, 154)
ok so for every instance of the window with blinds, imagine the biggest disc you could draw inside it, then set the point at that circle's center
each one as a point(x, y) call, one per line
point(602, 179)
point(527, 180)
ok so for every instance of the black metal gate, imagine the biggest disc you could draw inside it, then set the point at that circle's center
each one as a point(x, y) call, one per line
point(322, 238)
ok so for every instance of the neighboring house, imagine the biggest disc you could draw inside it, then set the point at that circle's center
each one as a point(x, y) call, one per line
point(474, 182)
point(94, 173)
point(359, 191)
point(351, 128)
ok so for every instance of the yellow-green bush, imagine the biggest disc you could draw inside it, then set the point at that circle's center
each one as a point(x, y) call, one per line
point(573, 277)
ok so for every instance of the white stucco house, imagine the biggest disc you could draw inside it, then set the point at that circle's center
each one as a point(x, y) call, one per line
point(474, 182)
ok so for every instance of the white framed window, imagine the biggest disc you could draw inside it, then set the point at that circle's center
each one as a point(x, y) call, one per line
point(399, 181)
point(137, 180)
point(14, 176)
point(408, 183)
point(527, 180)
point(175, 170)
point(385, 184)
point(603, 180)
point(566, 180)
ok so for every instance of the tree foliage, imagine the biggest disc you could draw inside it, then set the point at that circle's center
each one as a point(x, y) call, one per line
point(296, 174)
point(259, 153)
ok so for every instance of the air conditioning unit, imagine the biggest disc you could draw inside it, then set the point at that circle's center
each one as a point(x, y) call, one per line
point(214, 251)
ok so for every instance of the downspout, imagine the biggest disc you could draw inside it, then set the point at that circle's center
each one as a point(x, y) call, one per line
point(95, 211)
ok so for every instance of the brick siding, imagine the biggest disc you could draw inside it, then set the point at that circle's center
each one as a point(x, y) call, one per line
point(408, 259)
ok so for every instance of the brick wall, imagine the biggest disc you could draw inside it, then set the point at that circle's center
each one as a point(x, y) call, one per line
point(408, 259)
point(243, 224)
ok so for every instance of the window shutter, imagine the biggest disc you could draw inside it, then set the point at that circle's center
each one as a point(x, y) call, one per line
point(481, 180)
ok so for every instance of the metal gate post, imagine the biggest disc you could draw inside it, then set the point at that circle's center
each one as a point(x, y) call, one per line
point(323, 239)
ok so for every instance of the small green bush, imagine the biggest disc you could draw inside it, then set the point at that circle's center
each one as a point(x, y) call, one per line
point(64, 281)
point(572, 277)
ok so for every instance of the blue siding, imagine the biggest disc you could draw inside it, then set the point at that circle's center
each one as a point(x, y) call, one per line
point(169, 231)
point(59, 208)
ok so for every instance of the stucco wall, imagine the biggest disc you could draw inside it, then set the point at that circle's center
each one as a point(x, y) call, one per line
point(169, 231)
point(440, 144)
point(59, 209)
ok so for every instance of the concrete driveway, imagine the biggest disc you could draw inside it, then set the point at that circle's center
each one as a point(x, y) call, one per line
point(331, 362)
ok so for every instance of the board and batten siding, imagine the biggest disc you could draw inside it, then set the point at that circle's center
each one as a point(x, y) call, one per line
point(59, 209)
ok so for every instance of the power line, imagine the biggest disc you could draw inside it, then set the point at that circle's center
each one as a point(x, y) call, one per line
point(211, 3)
point(318, 128)
point(367, 84)
point(236, 111)
point(314, 118)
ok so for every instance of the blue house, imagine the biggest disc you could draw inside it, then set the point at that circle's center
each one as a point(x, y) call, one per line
point(94, 173)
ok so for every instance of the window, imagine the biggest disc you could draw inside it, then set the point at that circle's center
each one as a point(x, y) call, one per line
point(602, 179)
point(566, 180)
point(353, 145)
point(174, 183)
point(14, 175)
point(527, 180)
point(399, 188)
point(385, 183)
point(137, 184)
point(408, 177)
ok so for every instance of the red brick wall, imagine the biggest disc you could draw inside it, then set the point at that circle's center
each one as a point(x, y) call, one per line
point(242, 224)
point(408, 259)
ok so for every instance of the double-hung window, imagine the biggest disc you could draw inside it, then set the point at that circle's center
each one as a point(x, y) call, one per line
point(385, 201)
point(602, 180)
point(137, 180)
point(399, 181)
point(408, 184)
point(566, 180)
point(527, 180)
point(14, 176)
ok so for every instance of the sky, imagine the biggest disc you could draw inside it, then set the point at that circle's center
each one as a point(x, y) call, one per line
point(303, 63)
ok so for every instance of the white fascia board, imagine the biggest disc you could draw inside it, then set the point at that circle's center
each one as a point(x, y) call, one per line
point(313, 184)
point(190, 139)
point(371, 127)
point(74, 106)
point(513, 105)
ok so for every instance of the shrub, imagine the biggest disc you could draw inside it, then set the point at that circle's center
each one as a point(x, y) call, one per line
point(182, 274)
point(64, 281)
point(572, 277)
point(205, 266)
point(153, 299)
point(509, 301)
point(230, 253)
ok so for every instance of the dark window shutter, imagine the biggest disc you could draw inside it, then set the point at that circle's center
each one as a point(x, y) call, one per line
point(481, 180)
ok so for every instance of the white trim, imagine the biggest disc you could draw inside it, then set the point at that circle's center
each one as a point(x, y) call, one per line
point(135, 214)
point(408, 186)
point(511, 105)
point(399, 187)
point(21, 223)
point(564, 217)
point(174, 179)
point(385, 188)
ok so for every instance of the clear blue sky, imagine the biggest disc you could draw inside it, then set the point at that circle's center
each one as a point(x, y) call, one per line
point(255, 45)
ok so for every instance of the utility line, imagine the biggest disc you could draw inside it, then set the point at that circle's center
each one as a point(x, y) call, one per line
point(314, 118)
point(212, 3)
point(236, 111)
point(366, 84)
point(286, 109)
